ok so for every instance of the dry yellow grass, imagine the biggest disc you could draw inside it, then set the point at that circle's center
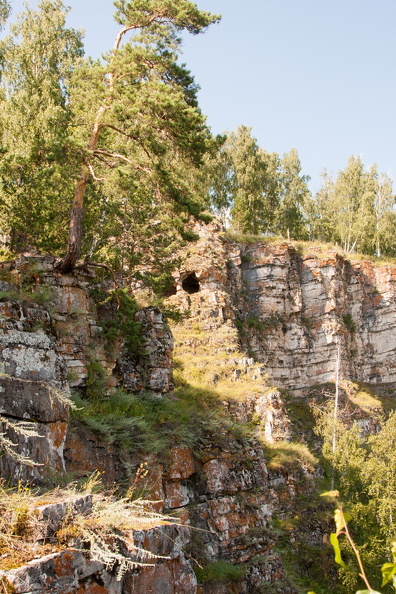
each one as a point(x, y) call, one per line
point(20, 525)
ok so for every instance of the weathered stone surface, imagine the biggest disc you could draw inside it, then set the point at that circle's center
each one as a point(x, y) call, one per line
point(177, 495)
point(306, 305)
point(36, 367)
point(71, 571)
point(45, 450)
point(289, 312)
point(181, 463)
point(66, 572)
point(30, 356)
point(158, 344)
point(175, 577)
point(33, 396)
point(32, 400)
point(51, 515)
point(172, 576)
point(294, 310)
point(85, 452)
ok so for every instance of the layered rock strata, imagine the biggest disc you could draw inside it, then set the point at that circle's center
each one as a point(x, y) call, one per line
point(51, 334)
point(293, 311)
point(298, 309)
point(257, 315)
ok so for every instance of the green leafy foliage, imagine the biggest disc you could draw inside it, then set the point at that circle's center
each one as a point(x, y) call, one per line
point(128, 128)
point(341, 520)
point(363, 469)
point(37, 168)
point(290, 456)
point(143, 129)
point(337, 551)
point(260, 191)
point(117, 311)
point(356, 210)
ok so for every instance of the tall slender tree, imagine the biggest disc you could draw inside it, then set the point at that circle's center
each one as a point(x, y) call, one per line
point(357, 210)
point(241, 181)
point(385, 214)
point(146, 119)
point(250, 209)
point(293, 195)
point(38, 158)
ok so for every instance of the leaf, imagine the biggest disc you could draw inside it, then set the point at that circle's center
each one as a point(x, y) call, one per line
point(330, 494)
point(337, 551)
point(341, 519)
point(368, 592)
point(388, 571)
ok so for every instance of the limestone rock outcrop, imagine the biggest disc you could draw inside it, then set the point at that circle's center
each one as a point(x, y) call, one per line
point(293, 309)
point(51, 333)
point(258, 319)
point(298, 308)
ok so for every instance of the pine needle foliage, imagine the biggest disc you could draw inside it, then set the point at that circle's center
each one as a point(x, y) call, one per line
point(118, 320)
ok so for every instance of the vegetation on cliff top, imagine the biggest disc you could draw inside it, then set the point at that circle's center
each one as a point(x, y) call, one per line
point(126, 137)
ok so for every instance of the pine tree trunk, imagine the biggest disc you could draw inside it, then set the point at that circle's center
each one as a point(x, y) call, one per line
point(68, 263)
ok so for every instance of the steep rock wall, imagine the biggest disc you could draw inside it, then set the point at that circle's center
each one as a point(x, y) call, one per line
point(306, 305)
point(292, 310)
point(51, 334)
point(257, 315)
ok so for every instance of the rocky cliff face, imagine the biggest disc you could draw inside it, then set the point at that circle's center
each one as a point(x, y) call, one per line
point(305, 305)
point(51, 336)
point(258, 319)
point(293, 309)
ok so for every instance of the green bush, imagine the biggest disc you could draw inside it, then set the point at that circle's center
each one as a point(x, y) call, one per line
point(118, 320)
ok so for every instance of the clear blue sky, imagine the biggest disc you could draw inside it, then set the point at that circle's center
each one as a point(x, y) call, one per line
point(315, 75)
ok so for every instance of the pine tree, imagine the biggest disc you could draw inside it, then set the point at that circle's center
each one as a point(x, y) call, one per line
point(145, 125)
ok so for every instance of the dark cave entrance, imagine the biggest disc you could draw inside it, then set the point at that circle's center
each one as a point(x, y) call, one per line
point(191, 284)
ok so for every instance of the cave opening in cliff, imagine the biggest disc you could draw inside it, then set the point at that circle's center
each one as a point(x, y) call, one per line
point(191, 284)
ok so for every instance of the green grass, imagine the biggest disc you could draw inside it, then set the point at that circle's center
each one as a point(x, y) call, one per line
point(43, 295)
point(148, 423)
point(219, 571)
point(118, 319)
point(348, 322)
point(289, 456)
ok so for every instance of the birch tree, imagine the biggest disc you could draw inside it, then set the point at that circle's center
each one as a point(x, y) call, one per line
point(38, 157)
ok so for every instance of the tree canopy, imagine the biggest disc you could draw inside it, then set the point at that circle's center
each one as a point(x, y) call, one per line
point(356, 210)
point(260, 191)
point(123, 132)
point(36, 124)
point(123, 144)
